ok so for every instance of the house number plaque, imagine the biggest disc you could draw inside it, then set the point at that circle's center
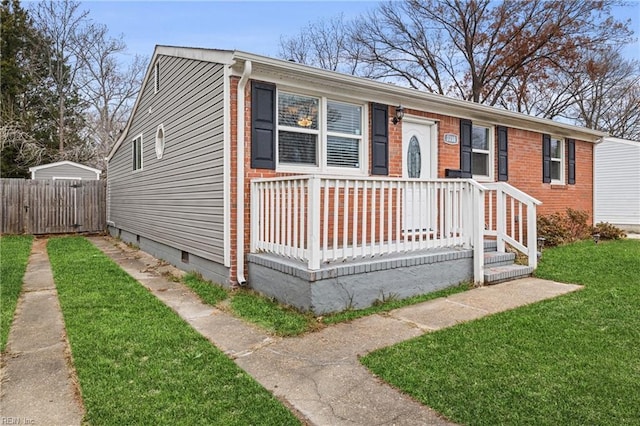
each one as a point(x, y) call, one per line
point(451, 139)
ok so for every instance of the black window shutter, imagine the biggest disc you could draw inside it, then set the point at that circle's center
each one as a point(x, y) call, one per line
point(466, 149)
point(380, 139)
point(571, 159)
point(503, 154)
point(546, 158)
point(263, 125)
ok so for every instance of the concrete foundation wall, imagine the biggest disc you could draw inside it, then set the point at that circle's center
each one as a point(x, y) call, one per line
point(210, 270)
point(632, 228)
point(360, 284)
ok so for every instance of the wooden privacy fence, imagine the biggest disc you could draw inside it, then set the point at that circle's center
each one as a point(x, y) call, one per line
point(52, 206)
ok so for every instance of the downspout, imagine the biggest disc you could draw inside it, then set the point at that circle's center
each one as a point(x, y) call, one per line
point(240, 126)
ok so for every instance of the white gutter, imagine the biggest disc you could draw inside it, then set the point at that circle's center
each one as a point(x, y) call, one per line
point(240, 125)
point(416, 99)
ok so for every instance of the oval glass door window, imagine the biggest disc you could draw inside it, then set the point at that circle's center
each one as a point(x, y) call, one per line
point(414, 158)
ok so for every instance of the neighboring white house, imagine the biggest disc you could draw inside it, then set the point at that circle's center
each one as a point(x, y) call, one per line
point(64, 170)
point(617, 183)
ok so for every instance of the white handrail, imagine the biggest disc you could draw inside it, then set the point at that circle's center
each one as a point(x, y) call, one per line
point(509, 229)
point(512, 191)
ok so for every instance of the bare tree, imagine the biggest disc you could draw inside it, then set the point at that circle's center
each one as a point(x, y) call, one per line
point(547, 97)
point(108, 87)
point(63, 24)
point(28, 151)
point(476, 49)
point(608, 95)
point(327, 44)
point(523, 55)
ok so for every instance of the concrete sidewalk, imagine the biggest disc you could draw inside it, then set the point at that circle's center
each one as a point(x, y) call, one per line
point(319, 374)
point(38, 385)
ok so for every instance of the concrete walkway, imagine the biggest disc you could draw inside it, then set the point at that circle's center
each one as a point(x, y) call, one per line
point(319, 374)
point(38, 386)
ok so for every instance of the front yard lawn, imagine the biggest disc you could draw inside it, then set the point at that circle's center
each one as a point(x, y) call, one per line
point(571, 360)
point(14, 254)
point(137, 361)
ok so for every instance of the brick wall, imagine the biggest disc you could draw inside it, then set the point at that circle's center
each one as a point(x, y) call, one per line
point(525, 173)
point(525, 166)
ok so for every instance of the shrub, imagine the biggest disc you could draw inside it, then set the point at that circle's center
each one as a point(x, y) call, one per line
point(577, 222)
point(563, 228)
point(553, 229)
point(608, 231)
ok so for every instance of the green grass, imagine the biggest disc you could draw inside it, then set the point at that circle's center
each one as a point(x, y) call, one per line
point(573, 360)
point(269, 314)
point(137, 361)
point(208, 292)
point(14, 254)
point(253, 307)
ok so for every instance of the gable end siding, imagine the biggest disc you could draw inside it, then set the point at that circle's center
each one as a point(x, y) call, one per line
point(64, 170)
point(177, 200)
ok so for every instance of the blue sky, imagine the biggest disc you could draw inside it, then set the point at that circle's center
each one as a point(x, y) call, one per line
point(252, 26)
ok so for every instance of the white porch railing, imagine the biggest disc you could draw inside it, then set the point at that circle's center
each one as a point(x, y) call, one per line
point(511, 218)
point(319, 219)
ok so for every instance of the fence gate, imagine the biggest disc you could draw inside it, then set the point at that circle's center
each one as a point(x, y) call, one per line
point(52, 207)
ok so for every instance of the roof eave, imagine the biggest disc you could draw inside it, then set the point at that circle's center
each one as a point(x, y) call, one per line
point(415, 99)
point(59, 163)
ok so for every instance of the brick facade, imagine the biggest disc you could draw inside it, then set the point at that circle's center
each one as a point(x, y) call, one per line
point(524, 153)
point(525, 173)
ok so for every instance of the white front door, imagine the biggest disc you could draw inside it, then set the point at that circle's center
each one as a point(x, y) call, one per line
point(418, 162)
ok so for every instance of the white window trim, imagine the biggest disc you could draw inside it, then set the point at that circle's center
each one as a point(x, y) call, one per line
point(491, 152)
point(141, 153)
point(160, 143)
point(560, 160)
point(322, 132)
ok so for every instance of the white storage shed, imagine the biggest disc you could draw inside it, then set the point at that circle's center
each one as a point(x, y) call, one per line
point(64, 170)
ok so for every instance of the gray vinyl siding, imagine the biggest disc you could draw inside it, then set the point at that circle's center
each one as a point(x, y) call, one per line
point(177, 200)
point(64, 171)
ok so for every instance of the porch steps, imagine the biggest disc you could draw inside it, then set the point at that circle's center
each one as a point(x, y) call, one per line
point(494, 259)
point(500, 266)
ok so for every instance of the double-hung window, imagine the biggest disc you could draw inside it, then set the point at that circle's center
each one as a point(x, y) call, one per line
point(298, 130)
point(136, 149)
point(557, 160)
point(344, 134)
point(481, 142)
point(319, 133)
